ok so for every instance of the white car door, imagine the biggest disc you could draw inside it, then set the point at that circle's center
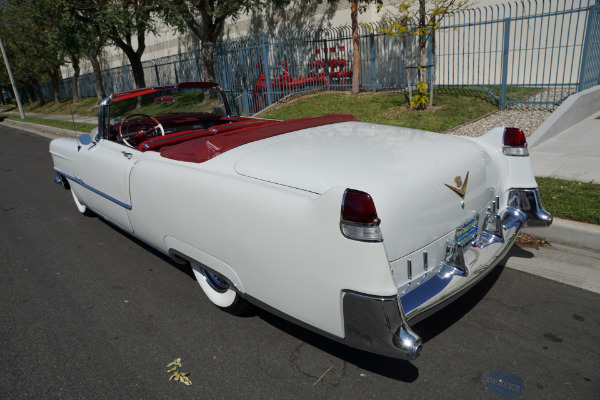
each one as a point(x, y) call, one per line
point(105, 173)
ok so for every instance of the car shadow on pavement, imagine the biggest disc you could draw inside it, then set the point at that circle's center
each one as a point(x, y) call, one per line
point(518, 252)
point(389, 367)
point(443, 319)
point(185, 268)
point(400, 370)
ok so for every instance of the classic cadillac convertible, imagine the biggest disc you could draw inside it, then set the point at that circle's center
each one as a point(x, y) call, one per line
point(355, 230)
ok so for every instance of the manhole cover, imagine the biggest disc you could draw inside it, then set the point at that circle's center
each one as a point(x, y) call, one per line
point(504, 384)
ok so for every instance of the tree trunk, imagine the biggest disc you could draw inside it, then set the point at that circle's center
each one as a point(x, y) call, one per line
point(55, 78)
point(38, 92)
point(138, 71)
point(30, 95)
point(100, 91)
point(407, 69)
point(134, 56)
point(355, 49)
point(207, 67)
point(75, 78)
point(422, 38)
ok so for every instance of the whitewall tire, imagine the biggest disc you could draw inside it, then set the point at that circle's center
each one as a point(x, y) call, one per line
point(219, 291)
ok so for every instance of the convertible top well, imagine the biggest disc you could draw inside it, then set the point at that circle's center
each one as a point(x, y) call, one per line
point(223, 139)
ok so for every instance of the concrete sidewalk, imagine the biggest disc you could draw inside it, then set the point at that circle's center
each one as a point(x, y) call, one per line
point(573, 154)
point(567, 144)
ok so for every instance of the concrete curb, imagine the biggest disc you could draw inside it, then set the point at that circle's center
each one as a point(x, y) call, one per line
point(574, 109)
point(569, 233)
point(44, 130)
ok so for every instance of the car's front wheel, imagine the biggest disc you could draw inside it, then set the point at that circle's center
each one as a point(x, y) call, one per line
point(220, 292)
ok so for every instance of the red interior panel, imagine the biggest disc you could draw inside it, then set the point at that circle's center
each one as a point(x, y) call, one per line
point(204, 148)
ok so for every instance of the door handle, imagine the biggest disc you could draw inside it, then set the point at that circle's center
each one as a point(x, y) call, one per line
point(126, 154)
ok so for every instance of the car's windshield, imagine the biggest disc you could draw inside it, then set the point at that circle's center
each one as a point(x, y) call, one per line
point(169, 101)
point(138, 115)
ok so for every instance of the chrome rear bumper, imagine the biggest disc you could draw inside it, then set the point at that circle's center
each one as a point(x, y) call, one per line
point(380, 324)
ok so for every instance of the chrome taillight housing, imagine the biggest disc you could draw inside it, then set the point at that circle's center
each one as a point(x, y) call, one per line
point(514, 143)
point(359, 220)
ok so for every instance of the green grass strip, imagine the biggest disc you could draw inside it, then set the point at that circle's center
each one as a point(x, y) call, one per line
point(63, 124)
point(577, 201)
point(449, 110)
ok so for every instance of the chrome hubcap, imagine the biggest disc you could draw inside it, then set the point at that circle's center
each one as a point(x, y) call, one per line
point(218, 284)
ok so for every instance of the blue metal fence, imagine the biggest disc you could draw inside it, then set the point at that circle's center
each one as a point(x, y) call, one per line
point(526, 53)
point(531, 53)
point(590, 63)
point(161, 71)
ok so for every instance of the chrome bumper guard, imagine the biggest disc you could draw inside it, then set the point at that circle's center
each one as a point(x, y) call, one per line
point(380, 324)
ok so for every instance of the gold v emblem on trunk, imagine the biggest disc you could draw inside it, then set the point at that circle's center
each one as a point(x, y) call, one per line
point(461, 188)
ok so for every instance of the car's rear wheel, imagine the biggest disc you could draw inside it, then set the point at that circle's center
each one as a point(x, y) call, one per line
point(220, 292)
point(82, 208)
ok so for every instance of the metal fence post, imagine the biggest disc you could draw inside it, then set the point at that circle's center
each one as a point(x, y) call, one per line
point(326, 59)
point(504, 71)
point(586, 47)
point(373, 67)
point(429, 59)
point(175, 70)
point(198, 67)
point(126, 85)
point(156, 71)
point(266, 68)
point(246, 94)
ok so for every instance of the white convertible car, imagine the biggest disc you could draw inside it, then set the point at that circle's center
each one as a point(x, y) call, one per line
point(355, 230)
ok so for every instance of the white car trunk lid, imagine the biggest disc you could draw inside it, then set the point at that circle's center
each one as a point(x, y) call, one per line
point(404, 170)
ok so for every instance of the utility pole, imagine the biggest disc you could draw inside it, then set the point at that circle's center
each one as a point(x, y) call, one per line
point(12, 80)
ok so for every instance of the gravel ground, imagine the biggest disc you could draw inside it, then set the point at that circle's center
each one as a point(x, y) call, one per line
point(519, 116)
point(528, 120)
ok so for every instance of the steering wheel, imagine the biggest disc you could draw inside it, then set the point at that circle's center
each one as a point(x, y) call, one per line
point(141, 134)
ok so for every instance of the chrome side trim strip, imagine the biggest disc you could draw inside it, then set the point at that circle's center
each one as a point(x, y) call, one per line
point(106, 196)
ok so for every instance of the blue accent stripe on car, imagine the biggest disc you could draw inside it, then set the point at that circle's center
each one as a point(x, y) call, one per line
point(79, 181)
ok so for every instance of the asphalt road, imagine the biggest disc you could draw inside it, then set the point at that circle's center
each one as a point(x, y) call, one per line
point(88, 312)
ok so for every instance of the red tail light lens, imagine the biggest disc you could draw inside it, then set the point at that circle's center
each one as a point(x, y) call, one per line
point(514, 142)
point(514, 137)
point(358, 207)
point(359, 220)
